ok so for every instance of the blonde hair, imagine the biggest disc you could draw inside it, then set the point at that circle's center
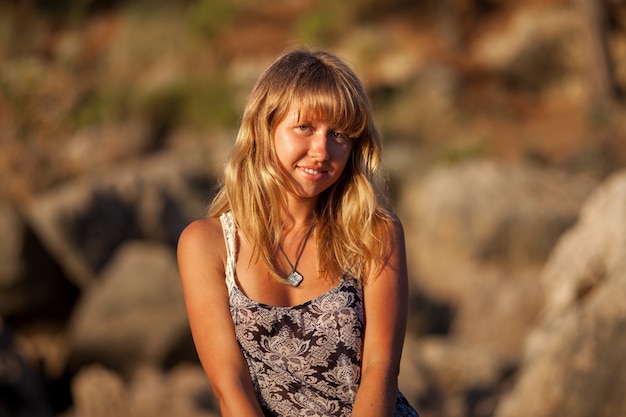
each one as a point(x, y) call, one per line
point(354, 211)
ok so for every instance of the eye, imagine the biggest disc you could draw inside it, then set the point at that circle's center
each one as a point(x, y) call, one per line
point(340, 137)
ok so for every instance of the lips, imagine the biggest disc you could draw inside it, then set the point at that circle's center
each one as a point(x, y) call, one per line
point(312, 173)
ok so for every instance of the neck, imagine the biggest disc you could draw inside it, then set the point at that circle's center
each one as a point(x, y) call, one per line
point(300, 213)
point(294, 229)
point(297, 221)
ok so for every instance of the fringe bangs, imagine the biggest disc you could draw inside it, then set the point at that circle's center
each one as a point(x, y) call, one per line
point(333, 103)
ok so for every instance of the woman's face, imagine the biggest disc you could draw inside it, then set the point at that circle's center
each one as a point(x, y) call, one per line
point(312, 153)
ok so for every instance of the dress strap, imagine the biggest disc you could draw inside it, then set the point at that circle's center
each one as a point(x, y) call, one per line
point(229, 228)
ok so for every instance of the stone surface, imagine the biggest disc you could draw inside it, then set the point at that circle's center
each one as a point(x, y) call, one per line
point(477, 235)
point(99, 392)
point(574, 359)
point(134, 314)
point(31, 280)
point(84, 222)
point(22, 389)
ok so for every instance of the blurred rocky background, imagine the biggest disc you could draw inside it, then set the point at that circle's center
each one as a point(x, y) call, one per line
point(505, 143)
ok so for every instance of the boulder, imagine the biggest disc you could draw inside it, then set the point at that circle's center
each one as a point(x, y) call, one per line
point(478, 234)
point(482, 213)
point(84, 222)
point(99, 392)
point(184, 391)
point(574, 359)
point(534, 49)
point(134, 314)
point(12, 229)
point(32, 283)
point(22, 390)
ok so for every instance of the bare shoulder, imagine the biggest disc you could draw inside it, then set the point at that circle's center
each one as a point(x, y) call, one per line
point(200, 230)
point(394, 230)
point(201, 245)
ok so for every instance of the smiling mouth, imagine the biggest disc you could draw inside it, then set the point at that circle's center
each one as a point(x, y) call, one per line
point(311, 171)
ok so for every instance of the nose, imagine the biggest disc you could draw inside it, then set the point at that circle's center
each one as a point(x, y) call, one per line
point(319, 145)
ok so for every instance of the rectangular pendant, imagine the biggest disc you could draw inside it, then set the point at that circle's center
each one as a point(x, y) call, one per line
point(294, 279)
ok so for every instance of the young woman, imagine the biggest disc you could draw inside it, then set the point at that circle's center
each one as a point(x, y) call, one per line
point(296, 282)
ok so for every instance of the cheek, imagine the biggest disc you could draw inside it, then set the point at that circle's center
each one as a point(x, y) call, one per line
point(285, 144)
point(281, 148)
point(343, 154)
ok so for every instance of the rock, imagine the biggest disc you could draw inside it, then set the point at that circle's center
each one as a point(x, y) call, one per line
point(534, 48)
point(498, 314)
point(83, 223)
point(100, 392)
point(81, 226)
point(505, 217)
point(149, 393)
point(22, 391)
point(12, 229)
point(441, 376)
point(102, 146)
point(134, 314)
point(574, 359)
point(413, 381)
point(478, 234)
point(590, 251)
point(31, 281)
point(184, 391)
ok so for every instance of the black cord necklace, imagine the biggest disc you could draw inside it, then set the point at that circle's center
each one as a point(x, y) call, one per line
point(295, 278)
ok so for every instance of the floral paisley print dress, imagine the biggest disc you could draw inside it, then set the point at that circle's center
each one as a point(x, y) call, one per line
point(304, 360)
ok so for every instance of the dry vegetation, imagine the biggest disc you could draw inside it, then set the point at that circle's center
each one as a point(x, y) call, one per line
point(443, 86)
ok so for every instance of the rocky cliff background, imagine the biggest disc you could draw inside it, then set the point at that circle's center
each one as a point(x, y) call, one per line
point(505, 143)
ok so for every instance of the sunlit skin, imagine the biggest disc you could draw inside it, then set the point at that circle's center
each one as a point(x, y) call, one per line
point(312, 154)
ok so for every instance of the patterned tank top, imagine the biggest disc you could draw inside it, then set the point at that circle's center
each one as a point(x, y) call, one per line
point(304, 360)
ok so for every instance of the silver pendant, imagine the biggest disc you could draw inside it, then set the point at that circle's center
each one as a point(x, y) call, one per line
point(294, 279)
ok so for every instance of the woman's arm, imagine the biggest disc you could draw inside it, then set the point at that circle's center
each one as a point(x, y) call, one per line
point(386, 306)
point(201, 260)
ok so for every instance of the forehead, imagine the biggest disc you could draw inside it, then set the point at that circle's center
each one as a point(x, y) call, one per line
point(323, 112)
point(304, 114)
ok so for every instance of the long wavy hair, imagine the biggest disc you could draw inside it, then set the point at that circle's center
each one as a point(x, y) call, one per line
point(354, 212)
